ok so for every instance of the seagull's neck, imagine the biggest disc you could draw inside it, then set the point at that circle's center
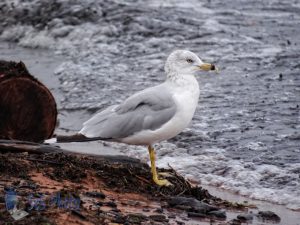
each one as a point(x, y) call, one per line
point(183, 80)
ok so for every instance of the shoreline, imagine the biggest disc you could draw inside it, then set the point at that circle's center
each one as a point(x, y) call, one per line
point(288, 216)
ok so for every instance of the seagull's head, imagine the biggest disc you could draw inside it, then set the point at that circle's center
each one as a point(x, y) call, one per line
point(185, 62)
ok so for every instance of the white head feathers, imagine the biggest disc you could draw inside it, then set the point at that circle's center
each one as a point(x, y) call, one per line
point(182, 62)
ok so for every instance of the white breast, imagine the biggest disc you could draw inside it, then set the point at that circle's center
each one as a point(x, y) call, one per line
point(186, 98)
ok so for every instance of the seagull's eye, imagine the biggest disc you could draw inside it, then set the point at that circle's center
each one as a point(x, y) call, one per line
point(190, 60)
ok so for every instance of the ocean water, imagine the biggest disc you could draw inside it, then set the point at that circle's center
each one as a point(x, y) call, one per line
point(245, 135)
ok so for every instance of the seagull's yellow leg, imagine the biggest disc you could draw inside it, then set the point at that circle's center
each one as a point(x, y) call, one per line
point(159, 182)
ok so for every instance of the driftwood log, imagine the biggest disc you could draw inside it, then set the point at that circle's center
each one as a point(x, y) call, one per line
point(14, 146)
point(27, 108)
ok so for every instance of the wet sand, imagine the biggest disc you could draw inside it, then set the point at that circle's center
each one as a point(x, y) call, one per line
point(287, 216)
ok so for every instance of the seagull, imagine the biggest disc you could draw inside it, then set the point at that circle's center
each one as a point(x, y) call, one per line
point(152, 115)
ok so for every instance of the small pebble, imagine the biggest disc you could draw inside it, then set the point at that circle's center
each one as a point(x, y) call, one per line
point(194, 214)
point(245, 217)
point(95, 194)
point(159, 210)
point(235, 222)
point(111, 204)
point(158, 218)
point(268, 215)
point(218, 214)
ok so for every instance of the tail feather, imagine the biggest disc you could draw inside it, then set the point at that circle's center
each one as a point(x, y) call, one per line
point(74, 138)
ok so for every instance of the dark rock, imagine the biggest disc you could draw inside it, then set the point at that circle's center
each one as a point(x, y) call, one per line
point(119, 219)
point(218, 214)
point(172, 216)
point(159, 210)
point(136, 218)
point(132, 203)
point(234, 222)
point(268, 215)
point(95, 194)
point(194, 214)
point(245, 217)
point(159, 218)
point(115, 210)
point(78, 214)
point(184, 207)
point(180, 223)
point(111, 204)
point(99, 204)
point(191, 204)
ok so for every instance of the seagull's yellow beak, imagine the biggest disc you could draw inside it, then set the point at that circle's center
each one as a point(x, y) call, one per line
point(208, 67)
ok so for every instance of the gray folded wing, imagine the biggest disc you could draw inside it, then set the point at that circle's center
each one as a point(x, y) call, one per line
point(146, 110)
